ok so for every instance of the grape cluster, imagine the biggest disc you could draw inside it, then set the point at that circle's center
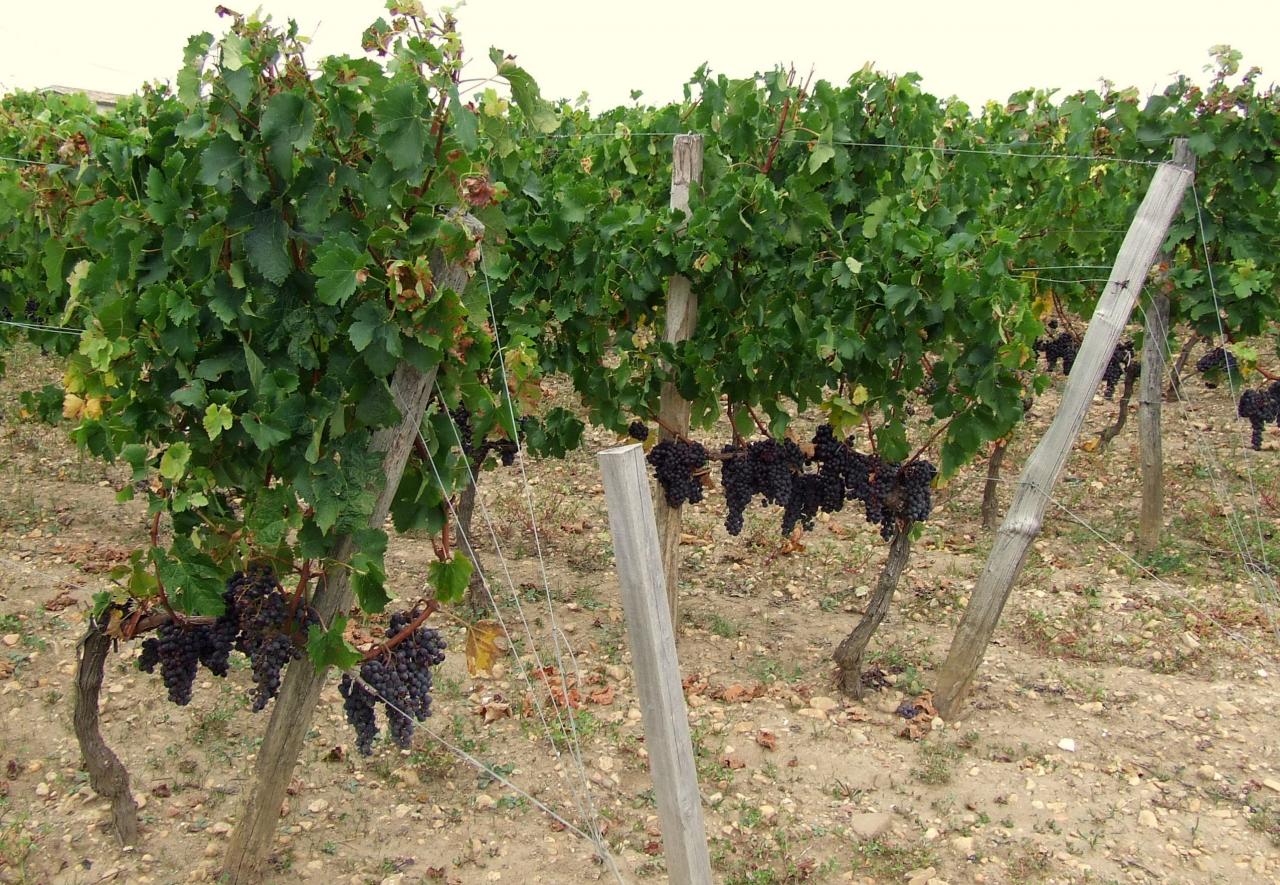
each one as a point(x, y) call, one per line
point(1061, 348)
point(269, 635)
point(177, 651)
point(256, 622)
point(891, 494)
point(1121, 357)
point(477, 452)
point(897, 493)
point(638, 430)
point(767, 468)
point(674, 463)
point(399, 678)
point(1217, 360)
point(1260, 407)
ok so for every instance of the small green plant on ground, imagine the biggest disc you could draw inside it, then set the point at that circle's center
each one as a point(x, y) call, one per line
point(889, 862)
point(936, 762)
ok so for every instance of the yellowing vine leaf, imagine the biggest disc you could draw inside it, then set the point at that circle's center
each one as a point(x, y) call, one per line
point(484, 646)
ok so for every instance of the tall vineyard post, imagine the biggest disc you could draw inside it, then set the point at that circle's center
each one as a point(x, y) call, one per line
point(300, 692)
point(1155, 340)
point(657, 670)
point(1025, 516)
point(1150, 456)
point(682, 317)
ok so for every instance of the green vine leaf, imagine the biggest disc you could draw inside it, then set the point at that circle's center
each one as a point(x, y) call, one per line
point(329, 648)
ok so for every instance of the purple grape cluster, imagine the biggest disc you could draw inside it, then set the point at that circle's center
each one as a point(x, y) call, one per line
point(674, 463)
point(256, 621)
point(1061, 348)
point(780, 473)
point(1120, 360)
point(1261, 407)
point(400, 679)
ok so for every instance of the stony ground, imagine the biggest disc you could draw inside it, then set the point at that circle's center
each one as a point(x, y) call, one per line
point(1124, 728)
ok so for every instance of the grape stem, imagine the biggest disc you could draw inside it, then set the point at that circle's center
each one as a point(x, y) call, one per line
point(930, 441)
point(304, 576)
point(155, 619)
point(759, 423)
point(871, 434)
point(777, 138)
point(404, 634)
point(164, 598)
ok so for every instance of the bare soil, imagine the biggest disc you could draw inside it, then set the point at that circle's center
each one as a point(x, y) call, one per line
point(1123, 729)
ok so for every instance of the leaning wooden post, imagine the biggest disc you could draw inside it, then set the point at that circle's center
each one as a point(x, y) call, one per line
point(1025, 515)
point(295, 705)
point(653, 656)
point(682, 316)
point(1155, 340)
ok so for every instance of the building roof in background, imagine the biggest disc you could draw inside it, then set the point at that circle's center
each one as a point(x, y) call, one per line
point(101, 99)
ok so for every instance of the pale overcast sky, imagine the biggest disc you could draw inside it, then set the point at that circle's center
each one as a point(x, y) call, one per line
point(978, 50)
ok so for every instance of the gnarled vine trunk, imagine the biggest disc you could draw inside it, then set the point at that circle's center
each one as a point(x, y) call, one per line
point(107, 774)
point(850, 652)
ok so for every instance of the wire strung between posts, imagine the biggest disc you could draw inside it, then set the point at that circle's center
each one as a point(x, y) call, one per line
point(1236, 529)
point(1213, 288)
point(558, 637)
point(1055, 280)
point(1061, 267)
point(37, 327)
point(462, 754)
point(924, 148)
point(537, 699)
point(1178, 591)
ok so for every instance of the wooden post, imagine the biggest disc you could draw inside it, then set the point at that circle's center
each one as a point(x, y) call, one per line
point(991, 491)
point(1155, 339)
point(1025, 515)
point(1151, 458)
point(295, 705)
point(682, 317)
point(653, 656)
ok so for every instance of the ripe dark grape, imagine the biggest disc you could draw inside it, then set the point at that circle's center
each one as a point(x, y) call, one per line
point(1120, 359)
point(179, 653)
point(736, 475)
point(638, 430)
point(268, 634)
point(1260, 407)
point(897, 494)
point(33, 312)
point(217, 641)
point(803, 503)
point(358, 705)
point(674, 463)
point(1217, 360)
point(400, 679)
point(149, 655)
point(1061, 348)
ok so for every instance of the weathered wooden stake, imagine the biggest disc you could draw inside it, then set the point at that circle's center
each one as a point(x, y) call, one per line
point(1026, 513)
point(682, 317)
point(295, 705)
point(1151, 458)
point(653, 656)
point(1156, 337)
